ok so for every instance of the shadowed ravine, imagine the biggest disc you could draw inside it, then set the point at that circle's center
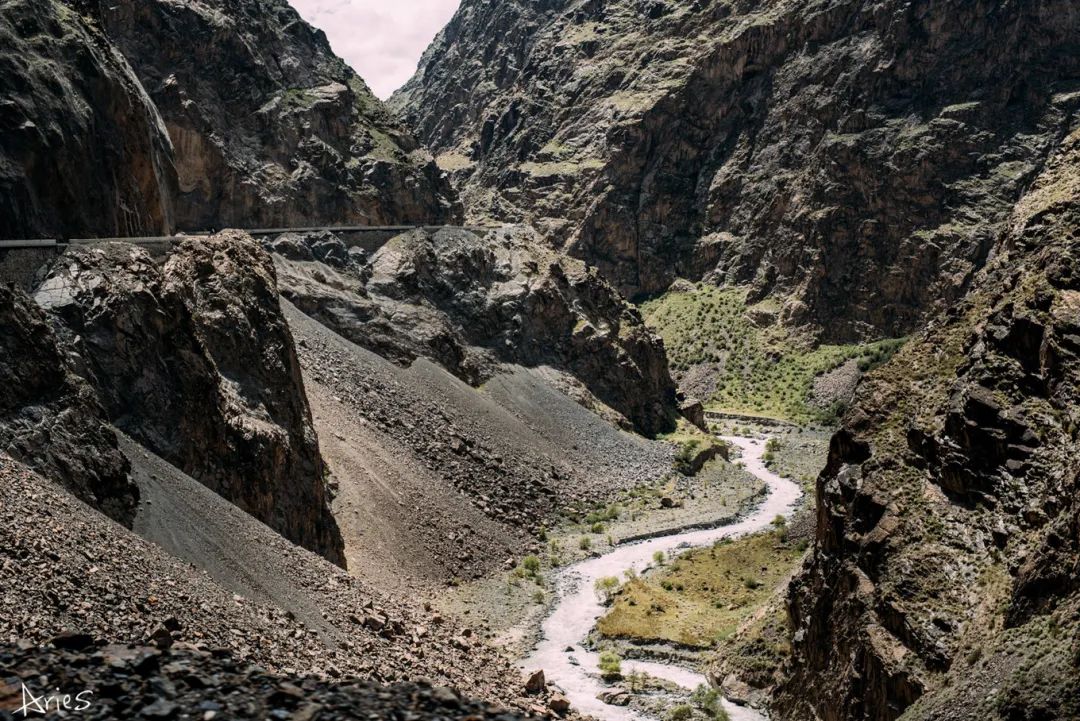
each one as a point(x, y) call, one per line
point(578, 607)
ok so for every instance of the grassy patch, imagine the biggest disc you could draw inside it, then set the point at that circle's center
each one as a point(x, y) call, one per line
point(753, 364)
point(704, 595)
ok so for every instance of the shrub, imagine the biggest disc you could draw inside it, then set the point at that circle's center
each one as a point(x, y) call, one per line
point(531, 564)
point(585, 543)
point(684, 457)
point(682, 712)
point(610, 666)
point(658, 558)
point(605, 587)
point(597, 527)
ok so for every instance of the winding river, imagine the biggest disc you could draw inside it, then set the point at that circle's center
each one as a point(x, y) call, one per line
point(577, 607)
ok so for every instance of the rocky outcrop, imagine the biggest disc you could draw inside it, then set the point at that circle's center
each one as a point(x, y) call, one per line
point(82, 148)
point(472, 301)
point(194, 360)
point(945, 579)
point(131, 118)
point(271, 128)
point(854, 159)
point(50, 418)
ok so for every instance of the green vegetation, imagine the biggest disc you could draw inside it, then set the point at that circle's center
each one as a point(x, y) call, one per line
point(605, 587)
point(681, 713)
point(705, 595)
point(684, 457)
point(760, 367)
point(708, 702)
point(610, 666)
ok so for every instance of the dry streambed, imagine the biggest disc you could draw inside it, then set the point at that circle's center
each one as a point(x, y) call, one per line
point(562, 652)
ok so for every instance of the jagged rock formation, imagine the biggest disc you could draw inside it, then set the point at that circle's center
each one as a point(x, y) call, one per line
point(270, 127)
point(82, 148)
point(859, 157)
point(472, 302)
point(139, 118)
point(52, 419)
point(945, 580)
point(194, 359)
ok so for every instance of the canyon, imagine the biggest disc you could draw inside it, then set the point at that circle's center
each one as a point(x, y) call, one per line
point(485, 461)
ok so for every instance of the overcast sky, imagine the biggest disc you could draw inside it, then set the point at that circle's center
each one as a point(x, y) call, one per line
point(382, 39)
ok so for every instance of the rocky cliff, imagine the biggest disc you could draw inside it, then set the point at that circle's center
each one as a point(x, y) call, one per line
point(945, 579)
point(134, 118)
point(82, 148)
point(53, 420)
point(855, 159)
point(194, 360)
point(474, 301)
point(270, 127)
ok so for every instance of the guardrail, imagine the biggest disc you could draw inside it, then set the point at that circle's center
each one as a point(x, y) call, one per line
point(51, 242)
point(21, 267)
point(22, 244)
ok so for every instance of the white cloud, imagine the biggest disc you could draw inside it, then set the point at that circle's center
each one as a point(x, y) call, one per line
point(381, 39)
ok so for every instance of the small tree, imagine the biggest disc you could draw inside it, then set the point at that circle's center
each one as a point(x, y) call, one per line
point(610, 666)
point(605, 588)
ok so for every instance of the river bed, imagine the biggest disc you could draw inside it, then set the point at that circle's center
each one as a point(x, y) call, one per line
point(573, 668)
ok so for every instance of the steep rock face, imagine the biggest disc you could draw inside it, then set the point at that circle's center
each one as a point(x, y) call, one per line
point(50, 418)
point(945, 580)
point(82, 149)
point(857, 156)
point(473, 301)
point(270, 127)
point(194, 360)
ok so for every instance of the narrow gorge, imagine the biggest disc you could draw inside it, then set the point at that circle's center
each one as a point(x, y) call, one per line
point(664, 360)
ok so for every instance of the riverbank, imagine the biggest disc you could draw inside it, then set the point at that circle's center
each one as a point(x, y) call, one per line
point(509, 606)
point(563, 653)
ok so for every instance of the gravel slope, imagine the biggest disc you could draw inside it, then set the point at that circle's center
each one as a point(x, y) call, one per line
point(144, 682)
point(438, 480)
point(106, 582)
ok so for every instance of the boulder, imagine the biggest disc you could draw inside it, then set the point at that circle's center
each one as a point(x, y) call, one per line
point(693, 410)
point(535, 683)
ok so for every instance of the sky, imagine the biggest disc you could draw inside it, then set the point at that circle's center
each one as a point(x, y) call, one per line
point(381, 39)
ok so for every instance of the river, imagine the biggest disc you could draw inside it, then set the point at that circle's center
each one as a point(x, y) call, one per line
point(577, 607)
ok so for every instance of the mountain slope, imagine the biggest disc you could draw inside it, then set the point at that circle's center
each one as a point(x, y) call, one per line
point(473, 301)
point(945, 579)
point(82, 148)
point(858, 157)
point(134, 118)
point(307, 618)
point(270, 127)
point(50, 418)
